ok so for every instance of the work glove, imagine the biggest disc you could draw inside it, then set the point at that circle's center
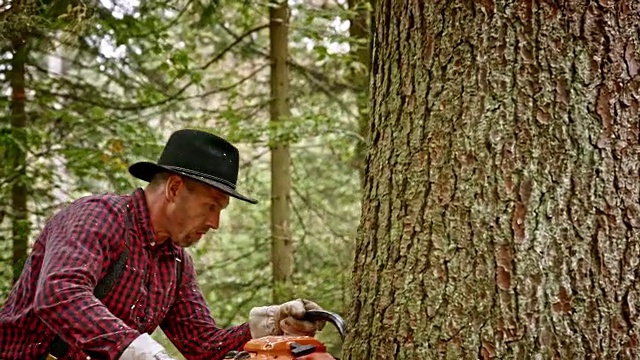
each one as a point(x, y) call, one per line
point(284, 319)
point(145, 348)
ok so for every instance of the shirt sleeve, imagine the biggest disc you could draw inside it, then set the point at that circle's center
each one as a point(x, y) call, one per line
point(191, 328)
point(75, 251)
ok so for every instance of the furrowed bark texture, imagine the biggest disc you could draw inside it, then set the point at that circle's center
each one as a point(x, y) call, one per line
point(501, 206)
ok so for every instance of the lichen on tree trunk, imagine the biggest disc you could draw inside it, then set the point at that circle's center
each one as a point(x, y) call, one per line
point(501, 203)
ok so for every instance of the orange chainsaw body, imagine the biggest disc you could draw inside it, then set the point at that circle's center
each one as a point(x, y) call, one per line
point(286, 347)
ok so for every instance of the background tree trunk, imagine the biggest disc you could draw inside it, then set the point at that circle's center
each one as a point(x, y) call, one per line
point(500, 215)
point(19, 221)
point(281, 244)
point(360, 53)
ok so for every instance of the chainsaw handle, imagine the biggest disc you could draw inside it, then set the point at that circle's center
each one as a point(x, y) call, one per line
point(336, 320)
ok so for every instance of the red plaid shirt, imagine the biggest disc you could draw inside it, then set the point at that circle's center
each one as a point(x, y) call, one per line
point(54, 295)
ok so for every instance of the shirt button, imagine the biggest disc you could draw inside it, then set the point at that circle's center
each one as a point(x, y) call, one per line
point(153, 243)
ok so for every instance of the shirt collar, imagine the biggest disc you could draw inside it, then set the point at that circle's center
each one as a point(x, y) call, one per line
point(144, 226)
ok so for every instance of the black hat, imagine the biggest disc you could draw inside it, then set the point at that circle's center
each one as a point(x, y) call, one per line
point(200, 156)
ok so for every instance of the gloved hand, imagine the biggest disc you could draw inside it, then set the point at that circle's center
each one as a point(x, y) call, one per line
point(283, 319)
point(145, 348)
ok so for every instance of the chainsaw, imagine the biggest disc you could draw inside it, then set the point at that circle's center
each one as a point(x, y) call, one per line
point(286, 347)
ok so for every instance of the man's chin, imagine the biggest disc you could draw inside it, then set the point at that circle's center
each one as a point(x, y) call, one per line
point(185, 243)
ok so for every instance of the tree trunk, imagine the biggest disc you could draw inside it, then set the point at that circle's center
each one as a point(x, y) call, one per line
point(19, 221)
point(360, 55)
point(501, 209)
point(281, 246)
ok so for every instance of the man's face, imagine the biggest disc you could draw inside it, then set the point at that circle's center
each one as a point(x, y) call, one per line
point(194, 208)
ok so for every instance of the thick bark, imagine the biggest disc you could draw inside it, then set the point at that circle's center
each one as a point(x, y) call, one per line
point(281, 244)
point(19, 220)
point(501, 209)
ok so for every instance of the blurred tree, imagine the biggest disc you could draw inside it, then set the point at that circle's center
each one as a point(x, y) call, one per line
point(17, 153)
point(22, 22)
point(281, 242)
point(359, 30)
point(501, 207)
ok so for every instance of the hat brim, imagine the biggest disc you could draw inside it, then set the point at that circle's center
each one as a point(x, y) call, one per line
point(145, 170)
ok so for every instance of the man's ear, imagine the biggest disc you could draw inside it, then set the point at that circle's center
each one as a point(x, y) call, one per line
point(172, 187)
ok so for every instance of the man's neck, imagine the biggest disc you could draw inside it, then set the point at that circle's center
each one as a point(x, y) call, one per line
point(155, 204)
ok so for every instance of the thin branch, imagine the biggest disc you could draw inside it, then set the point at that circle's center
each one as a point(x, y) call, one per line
point(169, 98)
point(256, 107)
point(170, 24)
point(320, 80)
point(225, 88)
point(238, 39)
point(313, 208)
point(204, 67)
point(109, 103)
point(255, 157)
point(222, 264)
point(318, 77)
point(119, 70)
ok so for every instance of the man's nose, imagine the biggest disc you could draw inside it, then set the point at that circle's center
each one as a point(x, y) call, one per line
point(214, 220)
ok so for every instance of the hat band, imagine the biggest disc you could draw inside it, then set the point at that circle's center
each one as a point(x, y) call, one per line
point(207, 176)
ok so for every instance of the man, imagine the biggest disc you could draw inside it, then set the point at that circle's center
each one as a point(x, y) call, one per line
point(54, 309)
